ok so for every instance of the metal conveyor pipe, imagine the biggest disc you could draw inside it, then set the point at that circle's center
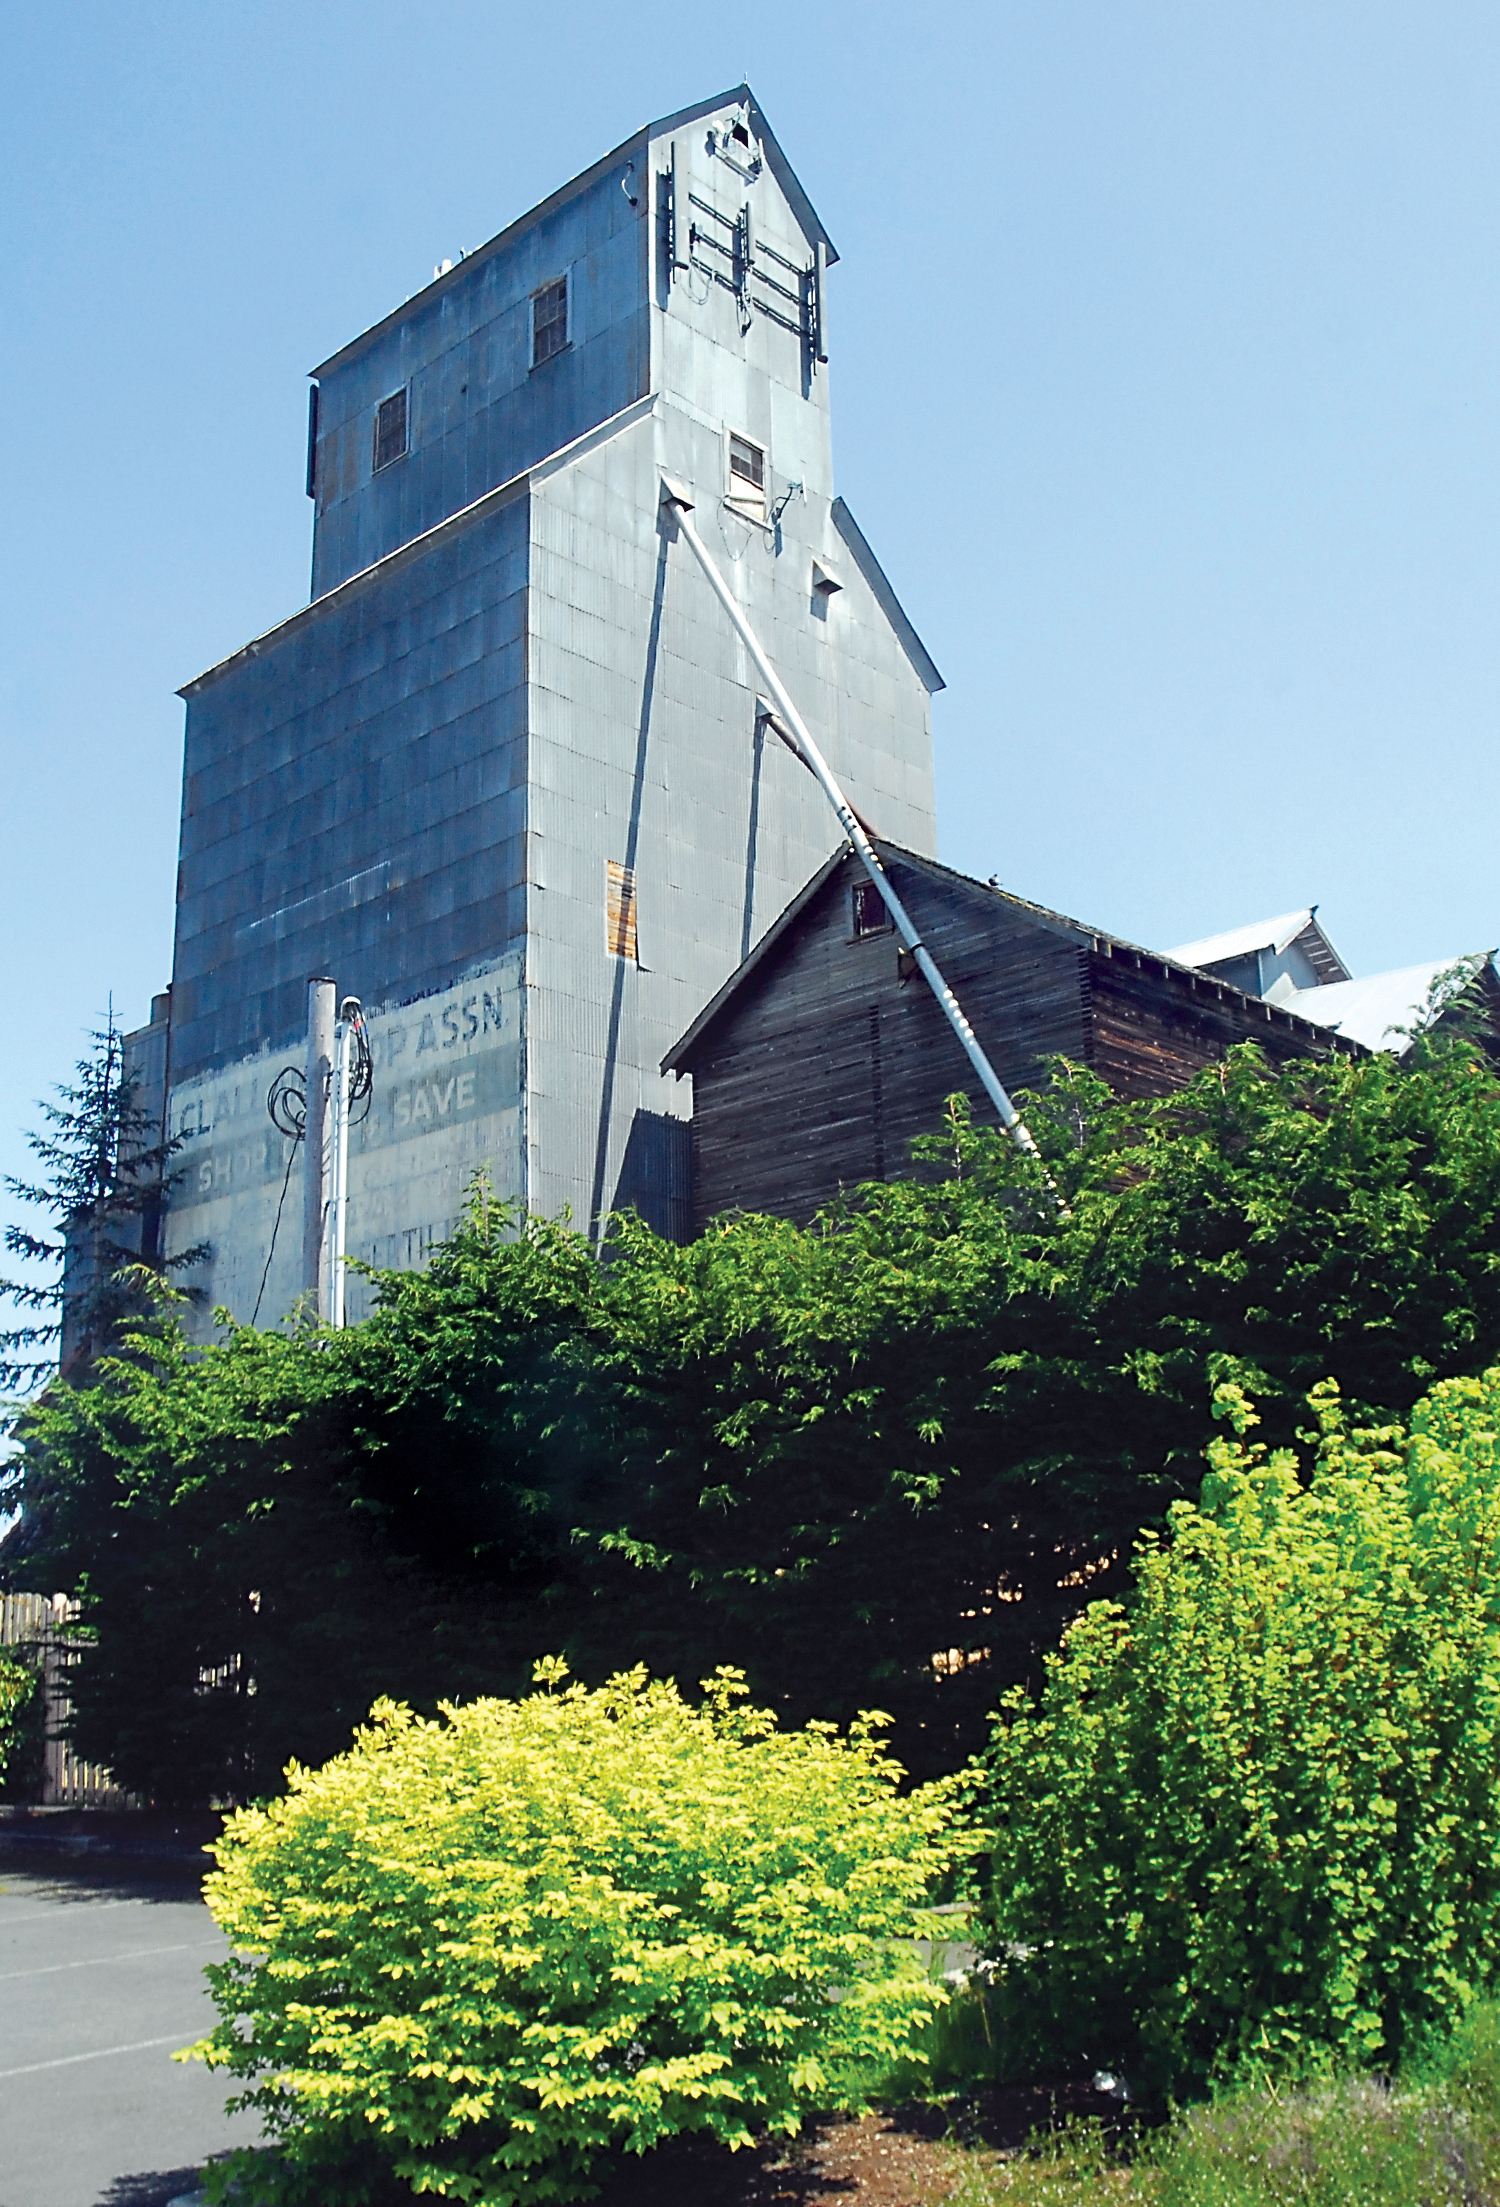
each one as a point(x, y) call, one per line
point(680, 505)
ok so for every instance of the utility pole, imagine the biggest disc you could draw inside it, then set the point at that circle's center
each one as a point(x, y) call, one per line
point(345, 1036)
point(317, 1281)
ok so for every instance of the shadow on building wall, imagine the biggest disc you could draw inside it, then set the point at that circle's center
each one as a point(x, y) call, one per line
point(656, 1174)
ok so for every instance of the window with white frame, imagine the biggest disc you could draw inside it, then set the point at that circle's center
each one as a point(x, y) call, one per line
point(747, 475)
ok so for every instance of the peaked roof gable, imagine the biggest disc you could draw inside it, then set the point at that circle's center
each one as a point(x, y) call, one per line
point(633, 146)
point(780, 167)
point(1275, 936)
point(982, 893)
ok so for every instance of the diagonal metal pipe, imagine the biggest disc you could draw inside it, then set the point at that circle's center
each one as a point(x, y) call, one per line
point(680, 504)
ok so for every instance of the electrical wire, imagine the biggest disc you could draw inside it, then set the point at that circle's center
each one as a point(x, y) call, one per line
point(286, 1102)
point(285, 1184)
point(362, 1063)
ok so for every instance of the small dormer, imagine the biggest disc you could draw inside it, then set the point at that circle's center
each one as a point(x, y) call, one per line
point(1292, 951)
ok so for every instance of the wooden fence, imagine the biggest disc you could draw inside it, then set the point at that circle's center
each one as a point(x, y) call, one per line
point(37, 1625)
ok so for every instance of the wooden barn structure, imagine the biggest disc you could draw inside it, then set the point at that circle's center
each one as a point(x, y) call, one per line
point(825, 1053)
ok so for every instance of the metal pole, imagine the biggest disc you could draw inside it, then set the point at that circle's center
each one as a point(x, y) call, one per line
point(315, 1158)
point(1015, 1126)
point(343, 1035)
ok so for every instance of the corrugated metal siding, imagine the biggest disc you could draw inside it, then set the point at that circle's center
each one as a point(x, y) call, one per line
point(354, 801)
point(479, 412)
point(645, 753)
point(431, 769)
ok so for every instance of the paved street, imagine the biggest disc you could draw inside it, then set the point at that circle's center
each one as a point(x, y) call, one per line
point(100, 1979)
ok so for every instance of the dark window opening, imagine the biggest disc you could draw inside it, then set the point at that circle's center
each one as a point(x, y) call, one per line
point(740, 135)
point(549, 321)
point(390, 429)
point(747, 464)
point(870, 914)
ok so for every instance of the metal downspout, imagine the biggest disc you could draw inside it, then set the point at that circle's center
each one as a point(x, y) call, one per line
point(680, 505)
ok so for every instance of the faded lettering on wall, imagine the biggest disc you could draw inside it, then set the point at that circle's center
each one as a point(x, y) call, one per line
point(445, 1105)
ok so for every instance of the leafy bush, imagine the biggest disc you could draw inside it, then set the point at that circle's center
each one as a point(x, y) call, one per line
point(1256, 1816)
point(485, 1950)
point(1338, 2141)
point(1345, 2140)
point(913, 1430)
point(18, 1684)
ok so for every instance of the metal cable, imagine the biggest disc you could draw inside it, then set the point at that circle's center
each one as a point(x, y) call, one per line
point(362, 1067)
point(287, 1104)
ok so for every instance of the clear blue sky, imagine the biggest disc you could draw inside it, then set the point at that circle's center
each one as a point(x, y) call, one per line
point(1165, 344)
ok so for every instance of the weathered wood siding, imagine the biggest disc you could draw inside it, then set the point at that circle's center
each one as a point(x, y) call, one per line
point(829, 1062)
point(1154, 1027)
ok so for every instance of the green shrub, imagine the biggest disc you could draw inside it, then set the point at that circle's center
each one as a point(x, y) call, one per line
point(1350, 2141)
point(17, 1700)
point(1255, 1818)
point(820, 1455)
point(483, 1951)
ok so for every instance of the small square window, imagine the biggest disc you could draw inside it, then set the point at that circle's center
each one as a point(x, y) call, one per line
point(390, 429)
point(870, 914)
point(747, 469)
point(549, 321)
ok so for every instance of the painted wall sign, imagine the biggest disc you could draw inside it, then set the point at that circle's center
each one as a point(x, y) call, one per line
point(446, 1105)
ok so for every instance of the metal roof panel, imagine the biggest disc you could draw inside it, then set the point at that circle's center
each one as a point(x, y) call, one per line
point(1370, 1011)
point(1241, 942)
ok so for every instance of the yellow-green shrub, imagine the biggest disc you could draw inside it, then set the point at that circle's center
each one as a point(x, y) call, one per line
point(480, 1952)
point(1256, 1815)
point(17, 1694)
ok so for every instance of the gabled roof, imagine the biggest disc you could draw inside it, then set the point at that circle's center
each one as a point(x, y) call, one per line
point(740, 94)
point(1372, 1011)
point(1274, 936)
point(1090, 938)
point(781, 168)
point(780, 926)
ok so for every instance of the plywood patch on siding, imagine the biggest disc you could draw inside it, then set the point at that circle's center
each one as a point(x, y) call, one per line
point(619, 911)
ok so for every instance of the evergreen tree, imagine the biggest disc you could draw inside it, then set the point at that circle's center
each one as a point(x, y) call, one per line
point(101, 1181)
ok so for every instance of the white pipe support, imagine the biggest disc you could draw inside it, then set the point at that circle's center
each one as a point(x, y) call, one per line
point(342, 1038)
point(317, 1159)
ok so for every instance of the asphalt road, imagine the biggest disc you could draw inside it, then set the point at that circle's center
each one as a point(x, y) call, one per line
point(100, 1978)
